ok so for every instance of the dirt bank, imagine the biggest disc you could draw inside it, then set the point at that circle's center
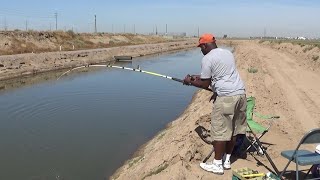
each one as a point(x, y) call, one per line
point(307, 53)
point(21, 42)
point(282, 85)
point(12, 66)
point(31, 52)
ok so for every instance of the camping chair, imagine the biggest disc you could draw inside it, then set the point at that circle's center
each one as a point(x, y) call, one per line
point(303, 157)
point(254, 127)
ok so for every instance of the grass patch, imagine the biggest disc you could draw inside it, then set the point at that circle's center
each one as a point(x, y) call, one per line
point(134, 161)
point(315, 58)
point(252, 70)
point(157, 170)
point(160, 136)
point(307, 49)
point(117, 176)
point(301, 43)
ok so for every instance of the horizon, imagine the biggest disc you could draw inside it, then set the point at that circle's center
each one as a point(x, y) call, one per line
point(242, 18)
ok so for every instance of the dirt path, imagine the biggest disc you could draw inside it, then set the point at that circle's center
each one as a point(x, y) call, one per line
point(283, 85)
point(299, 85)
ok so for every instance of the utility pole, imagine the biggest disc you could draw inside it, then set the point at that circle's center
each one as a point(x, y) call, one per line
point(95, 23)
point(264, 32)
point(112, 29)
point(5, 24)
point(198, 31)
point(156, 30)
point(166, 29)
point(26, 25)
point(56, 16)
point(134, 29)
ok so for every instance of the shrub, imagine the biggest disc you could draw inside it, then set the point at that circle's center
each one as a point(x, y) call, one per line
point(252, 70)
point(308, 49)
point(71, 33)
point(315, 58)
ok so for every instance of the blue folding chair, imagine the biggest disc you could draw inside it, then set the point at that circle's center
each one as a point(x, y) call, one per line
point(303, 157)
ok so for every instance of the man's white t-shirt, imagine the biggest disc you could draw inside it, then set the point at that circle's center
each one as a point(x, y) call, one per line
point(219, 65)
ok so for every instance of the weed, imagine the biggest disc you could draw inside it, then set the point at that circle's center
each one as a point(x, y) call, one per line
point(71, 33)
point(158, 170)
point(252, 70)
point(315, 58)
point(307, 49)
point(134, 160)
point(160, 136)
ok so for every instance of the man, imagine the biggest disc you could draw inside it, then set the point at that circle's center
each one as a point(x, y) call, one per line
point(218, 69)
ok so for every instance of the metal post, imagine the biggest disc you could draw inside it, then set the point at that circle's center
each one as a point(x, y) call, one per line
point(56, 16)
point(95, 23)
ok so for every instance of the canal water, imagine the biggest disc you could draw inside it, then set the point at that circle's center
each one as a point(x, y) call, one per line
point(86, 125)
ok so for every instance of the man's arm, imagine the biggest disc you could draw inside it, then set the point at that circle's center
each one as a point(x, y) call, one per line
point(195, 80)
point(201, 83)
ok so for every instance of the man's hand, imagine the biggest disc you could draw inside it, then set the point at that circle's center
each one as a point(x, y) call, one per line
point(195, 77)
point(213, 97)
point(187, 80)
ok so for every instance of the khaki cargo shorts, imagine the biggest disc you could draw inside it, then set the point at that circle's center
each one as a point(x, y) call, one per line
point(228, 117)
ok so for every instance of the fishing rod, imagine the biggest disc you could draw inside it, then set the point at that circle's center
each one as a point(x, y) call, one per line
point(126, 68)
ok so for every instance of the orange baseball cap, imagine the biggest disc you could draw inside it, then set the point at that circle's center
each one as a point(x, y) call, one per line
point(206, 38)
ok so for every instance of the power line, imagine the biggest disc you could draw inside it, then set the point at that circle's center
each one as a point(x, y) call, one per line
point(19, 14)
point(37, 13)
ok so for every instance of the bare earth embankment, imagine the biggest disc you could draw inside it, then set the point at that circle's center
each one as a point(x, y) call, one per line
point(284, 84)
point(100, 48)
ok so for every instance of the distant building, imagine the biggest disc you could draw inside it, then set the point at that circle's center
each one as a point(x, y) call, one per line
point(301, 38)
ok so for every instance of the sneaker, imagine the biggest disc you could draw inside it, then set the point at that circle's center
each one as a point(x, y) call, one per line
point(227, 165)
point(212, 167)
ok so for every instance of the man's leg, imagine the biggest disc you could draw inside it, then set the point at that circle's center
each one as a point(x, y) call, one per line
point(227, 141)
point(230, 145)
point(216, 165)
point(229, 149)
point(219, 149)
point(220, 129)
point(239, 123)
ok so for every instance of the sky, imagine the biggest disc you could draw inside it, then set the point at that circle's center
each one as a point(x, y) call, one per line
point(235, 18)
